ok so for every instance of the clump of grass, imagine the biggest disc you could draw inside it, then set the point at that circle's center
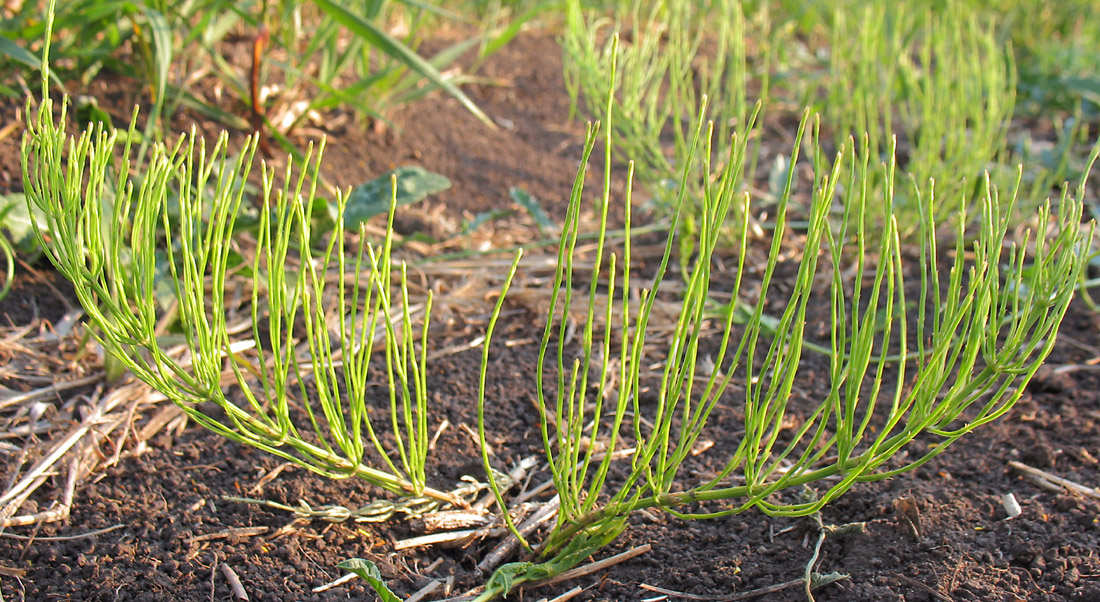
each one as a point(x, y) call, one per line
point(920, 350)
point(937, 79)
point(351, 58)
point(314, 56)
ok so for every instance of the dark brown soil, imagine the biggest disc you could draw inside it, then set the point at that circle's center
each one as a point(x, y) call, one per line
point(937, 533)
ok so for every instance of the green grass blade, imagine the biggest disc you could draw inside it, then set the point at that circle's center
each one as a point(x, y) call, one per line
point(19, 54)
point(395, 49)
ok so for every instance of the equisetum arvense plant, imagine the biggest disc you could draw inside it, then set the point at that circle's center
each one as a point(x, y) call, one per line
point(922, 345)
point(114, 234)
point(941, 79)
point(661, 75)
point(907, 361)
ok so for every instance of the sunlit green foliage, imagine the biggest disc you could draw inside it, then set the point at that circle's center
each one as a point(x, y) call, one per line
point(923, 345)
point(673, 53)
point(926, 349)
point(360, 55)
point(938, 81)
point(316, 413)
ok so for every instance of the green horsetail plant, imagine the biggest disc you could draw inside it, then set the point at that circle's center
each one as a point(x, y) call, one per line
point(982, 326)
point(677, 52)
point(107, 228)
point(937, 79)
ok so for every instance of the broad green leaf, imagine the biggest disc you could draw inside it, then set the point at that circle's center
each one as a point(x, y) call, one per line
point(395, 49)
point(15, 219)
point(8, 255)
point(534, 209)
point(743, 314)
point(505, 577)
point(89, 112)
point(370, 573)
point(164, 289)
point(414, 184)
